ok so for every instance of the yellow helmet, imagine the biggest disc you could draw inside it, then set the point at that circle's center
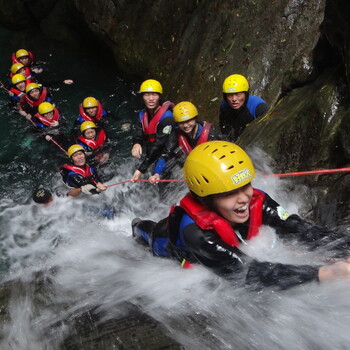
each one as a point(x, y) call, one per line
point(217, 167)
point(31, 87)
point(21, 53)
point(184, 111)
point(87, 125)
point(74, 148)
point(16, 67)
point(235, 83)
point(151, 85)
point(18, 78)
point(90, 102)
point(45, 107)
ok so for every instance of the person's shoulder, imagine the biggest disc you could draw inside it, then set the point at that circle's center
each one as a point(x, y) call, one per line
point(255, 99)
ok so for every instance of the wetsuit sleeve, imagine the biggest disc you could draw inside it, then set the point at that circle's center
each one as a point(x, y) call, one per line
point(293, 227)
point(213, 135)
point(137, 136)
point(225, 121)
point(261, 109)
point(229, 262)
point(164, 128)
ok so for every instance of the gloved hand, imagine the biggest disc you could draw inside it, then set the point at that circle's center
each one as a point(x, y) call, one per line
point(88, 189)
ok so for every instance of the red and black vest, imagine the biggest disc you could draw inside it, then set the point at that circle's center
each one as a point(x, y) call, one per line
point(97, 142)
point(87, 118)
point(15, 59)
point(42, 98)
point(209, 220)
point(85, 171)
point(46, 121)
point(150, 127)
point(184, 144)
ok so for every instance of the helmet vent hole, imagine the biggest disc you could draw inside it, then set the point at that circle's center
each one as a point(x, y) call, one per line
point(205, 179)
point(222, 157)
point(232, 151)
point(215, 150)
point(240, 162)
point(230, 167)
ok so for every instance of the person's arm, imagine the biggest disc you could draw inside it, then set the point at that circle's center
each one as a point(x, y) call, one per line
point(231, 263)
point(294, 227)
point(261, 110)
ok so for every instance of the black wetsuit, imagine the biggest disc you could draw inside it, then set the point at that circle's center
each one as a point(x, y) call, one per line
point(181, 238)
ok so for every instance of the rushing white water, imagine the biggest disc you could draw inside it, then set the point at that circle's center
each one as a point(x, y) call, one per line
point(92, 262)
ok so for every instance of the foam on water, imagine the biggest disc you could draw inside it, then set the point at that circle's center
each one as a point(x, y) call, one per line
point(92, 262)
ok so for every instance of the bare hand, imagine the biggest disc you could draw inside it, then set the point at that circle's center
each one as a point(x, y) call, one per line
point(28, 116)
point(340, 269)
point(68, 81)
point(136, 151)
point(48, 138)
point(100, 187)
point(154, 179)
point(136, 176)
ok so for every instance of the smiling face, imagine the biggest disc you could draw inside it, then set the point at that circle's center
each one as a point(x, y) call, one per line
point(21, 86)
point(78, 158)
point(234, 205)
point(188, 126)
point(90, 133)
point(151, 99)
point(236, 100)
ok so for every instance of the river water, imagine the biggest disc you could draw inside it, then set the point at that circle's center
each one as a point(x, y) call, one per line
point(89, 261)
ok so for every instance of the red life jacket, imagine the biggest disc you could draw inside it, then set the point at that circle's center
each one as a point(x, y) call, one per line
point(87, 118)
point(184, 144)
point(150, 128)
point(15, 59)
point(84, 171)
point(209, 220)
point(46, 121)
point(42, 98)
point(97, 143)
point(17, 92)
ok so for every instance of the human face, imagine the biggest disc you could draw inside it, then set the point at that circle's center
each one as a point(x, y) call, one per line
point(188, 126)
point(151, 99)
point(24, 60)
point(21, 86)
point(21, 71)
point(90, 133)
point(234, 205)
point(91, 111)
point(34, 94)
point(236, 100)
point(78, 158)
point(48, 115)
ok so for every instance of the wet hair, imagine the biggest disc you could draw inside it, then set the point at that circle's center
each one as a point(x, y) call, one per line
point(42, 196)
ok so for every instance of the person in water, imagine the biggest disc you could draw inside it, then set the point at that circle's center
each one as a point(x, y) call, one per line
point(19, 68)
point(153, 127)
point(222, 212)
point(94, 140)
point(238, 108)
point(189, 133)
point(79, 176)
point(42, 196)
point(90, 110)
point(18, 88)
point(26, 58)
point(49, 121)
point(35, 95)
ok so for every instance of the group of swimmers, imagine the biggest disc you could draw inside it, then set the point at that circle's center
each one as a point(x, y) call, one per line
point(221, 212)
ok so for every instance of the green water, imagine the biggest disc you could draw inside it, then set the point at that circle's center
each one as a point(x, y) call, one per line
point(26, 159)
